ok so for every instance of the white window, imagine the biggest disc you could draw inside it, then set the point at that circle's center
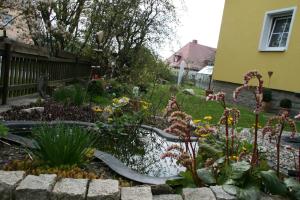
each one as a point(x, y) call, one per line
point(6, 20)
point(277, 29)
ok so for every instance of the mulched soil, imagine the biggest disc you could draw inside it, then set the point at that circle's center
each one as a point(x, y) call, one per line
point(52, 111)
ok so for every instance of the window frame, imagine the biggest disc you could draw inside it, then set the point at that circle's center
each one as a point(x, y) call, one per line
point(268, 25)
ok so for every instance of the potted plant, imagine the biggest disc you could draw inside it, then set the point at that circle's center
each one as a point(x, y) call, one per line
point(267, 100)
point(285, 104)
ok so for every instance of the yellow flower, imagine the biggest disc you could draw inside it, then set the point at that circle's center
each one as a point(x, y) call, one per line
point(204, 135)
point(110, 119)
point(230, 120)
point(244, 149)
point(108, 109)
point(145, 105)
point(208, 118)
point(207, 126)
point(96, 109)
point(258, 126)
point(196, 121)
point(234, 158)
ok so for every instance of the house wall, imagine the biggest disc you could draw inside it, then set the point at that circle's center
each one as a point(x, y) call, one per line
point(238, 48)
point(18, 30)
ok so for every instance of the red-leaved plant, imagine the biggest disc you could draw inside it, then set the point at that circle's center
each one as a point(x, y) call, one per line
point(181, 125)
point(258, 94)
point(229, 118)
point(274, 128)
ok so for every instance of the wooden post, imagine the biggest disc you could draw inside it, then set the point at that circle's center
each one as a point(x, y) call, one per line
point(6, 67)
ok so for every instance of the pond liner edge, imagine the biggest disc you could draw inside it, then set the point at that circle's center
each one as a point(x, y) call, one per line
point(112, 162)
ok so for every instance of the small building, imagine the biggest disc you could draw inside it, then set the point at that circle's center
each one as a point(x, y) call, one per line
point(196, 56)
point(261, 35)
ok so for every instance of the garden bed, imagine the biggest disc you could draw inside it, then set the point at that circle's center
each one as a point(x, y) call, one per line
point(51, 111)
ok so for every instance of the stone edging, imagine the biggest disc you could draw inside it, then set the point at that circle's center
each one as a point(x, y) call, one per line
point(16, 185)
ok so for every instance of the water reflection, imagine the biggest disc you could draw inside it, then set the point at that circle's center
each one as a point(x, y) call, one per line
point(141, 152)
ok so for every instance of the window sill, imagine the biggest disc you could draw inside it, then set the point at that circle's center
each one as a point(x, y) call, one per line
point(281, 49)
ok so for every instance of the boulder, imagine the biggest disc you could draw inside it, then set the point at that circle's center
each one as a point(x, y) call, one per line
point(36, 187)
point(134, 193)
point(8, 183)
point(70, 189)
point(103, 189)
point(203, 193)
point(189, 92)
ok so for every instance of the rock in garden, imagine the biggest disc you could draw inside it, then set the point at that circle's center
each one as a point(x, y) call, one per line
point(161, 189)
point(189, 92)
point(167, 197)
point(136, 193)
point(30, 110)
point(69, 189)
point(8, 183)
point(221, 194)
point(36, 187)
point(203, 193)
point(103, 189)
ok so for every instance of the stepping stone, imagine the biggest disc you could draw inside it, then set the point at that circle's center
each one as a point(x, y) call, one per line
point(103, 190)
point(69, 189)
point(136, 193)
point(36, 187)
point(167, 197)
point(8, 183)
point(221, 194)
point(203, 193)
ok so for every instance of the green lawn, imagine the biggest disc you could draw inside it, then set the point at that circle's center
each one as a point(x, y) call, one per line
point(198, 107)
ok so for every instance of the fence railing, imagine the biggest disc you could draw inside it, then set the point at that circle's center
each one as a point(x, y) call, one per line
point(21, 66)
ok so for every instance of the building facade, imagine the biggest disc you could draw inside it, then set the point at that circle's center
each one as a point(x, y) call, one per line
point(15, 24)
point(261, 35)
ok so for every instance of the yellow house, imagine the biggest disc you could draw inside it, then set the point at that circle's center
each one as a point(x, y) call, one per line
point(262, 35)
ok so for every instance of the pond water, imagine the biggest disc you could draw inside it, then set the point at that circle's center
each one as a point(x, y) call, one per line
point(142, 152)
point(139, 150)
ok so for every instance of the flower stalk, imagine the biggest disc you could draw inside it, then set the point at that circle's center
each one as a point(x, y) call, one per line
point(258, 94)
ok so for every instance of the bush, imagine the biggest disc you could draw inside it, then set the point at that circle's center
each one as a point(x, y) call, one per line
point(73, 95)
point(62, 145)
point(267, 95)
point(117, 89)
point(95, 88)
point(286, 103)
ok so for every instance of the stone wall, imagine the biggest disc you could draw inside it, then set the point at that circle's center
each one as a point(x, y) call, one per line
point(246, 98)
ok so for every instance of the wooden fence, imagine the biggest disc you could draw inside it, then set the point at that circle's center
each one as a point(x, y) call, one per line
point(22, 65)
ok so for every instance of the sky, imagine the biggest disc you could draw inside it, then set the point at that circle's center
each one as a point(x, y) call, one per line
point(199, 20)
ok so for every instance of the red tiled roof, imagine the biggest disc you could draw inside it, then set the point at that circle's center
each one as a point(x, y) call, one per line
point(196, 55)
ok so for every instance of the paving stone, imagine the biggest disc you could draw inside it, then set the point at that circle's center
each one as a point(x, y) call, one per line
point(203, 193)
point(103, 189)
point(69, 189)
point(136, 193)
point(221, 194)
point(36, 187)
point(167, 197)
point(8, 183)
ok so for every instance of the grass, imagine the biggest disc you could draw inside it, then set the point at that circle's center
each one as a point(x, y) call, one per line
point(198, 107)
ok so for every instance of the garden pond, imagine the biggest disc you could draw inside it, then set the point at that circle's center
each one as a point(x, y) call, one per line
point(139, 150)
